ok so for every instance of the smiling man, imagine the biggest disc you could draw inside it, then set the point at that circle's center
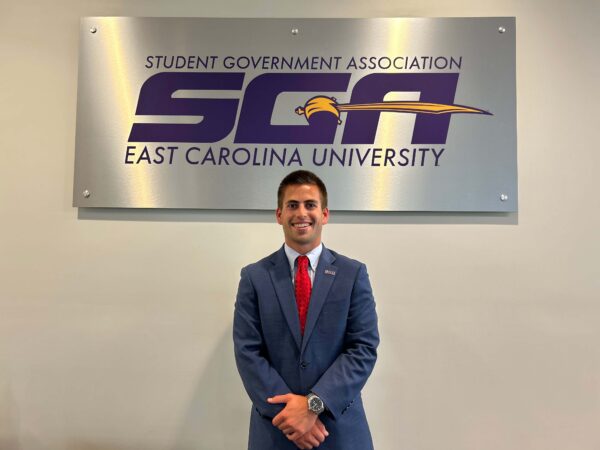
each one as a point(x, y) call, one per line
point(305, 333)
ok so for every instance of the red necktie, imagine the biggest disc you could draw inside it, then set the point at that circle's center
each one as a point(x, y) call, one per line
point(303, 288)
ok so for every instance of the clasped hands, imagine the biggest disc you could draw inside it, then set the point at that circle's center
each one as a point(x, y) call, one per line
point(297, 423)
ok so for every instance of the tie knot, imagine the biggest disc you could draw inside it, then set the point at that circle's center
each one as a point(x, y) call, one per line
point(302, 262)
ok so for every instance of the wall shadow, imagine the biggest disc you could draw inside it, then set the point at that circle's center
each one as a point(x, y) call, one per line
point(253, 216)
point(217, 417)
point(9, 414)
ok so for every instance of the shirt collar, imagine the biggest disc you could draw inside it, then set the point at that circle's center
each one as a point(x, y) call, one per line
point(313, 256)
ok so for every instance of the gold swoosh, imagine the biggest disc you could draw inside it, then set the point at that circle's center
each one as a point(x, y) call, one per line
point(327, 104)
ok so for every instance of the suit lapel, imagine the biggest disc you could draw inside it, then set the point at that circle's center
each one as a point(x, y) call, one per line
point(324, 276)
point(282, 282)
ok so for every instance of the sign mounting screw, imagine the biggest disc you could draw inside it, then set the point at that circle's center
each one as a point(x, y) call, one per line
point(501, 30)
point(86, 194)
point(503, 197)
point(295, 31)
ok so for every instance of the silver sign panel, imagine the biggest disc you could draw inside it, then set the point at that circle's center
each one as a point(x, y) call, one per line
point(393, 114)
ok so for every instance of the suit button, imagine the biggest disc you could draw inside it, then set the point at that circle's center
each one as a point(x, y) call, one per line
point(303, 365)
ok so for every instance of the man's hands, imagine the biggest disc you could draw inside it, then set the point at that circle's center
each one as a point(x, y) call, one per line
point(299, 425)
point(295, 419)
point(314, 437)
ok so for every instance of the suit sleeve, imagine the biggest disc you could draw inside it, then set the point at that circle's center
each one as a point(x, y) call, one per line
point(344, 379)
point(260, 379)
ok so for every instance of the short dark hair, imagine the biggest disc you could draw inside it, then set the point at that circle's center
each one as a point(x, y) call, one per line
point(302, 177)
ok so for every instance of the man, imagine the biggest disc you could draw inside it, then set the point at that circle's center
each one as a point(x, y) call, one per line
point(305, 333)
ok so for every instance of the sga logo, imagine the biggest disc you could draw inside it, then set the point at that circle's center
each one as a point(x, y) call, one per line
point(433, 110)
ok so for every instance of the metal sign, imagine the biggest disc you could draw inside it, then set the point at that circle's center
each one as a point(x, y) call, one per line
point(393, 114)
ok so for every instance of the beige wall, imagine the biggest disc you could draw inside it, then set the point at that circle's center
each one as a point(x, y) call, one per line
point(115, 325)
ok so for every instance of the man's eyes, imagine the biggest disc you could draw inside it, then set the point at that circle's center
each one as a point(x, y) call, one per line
point(307, 205)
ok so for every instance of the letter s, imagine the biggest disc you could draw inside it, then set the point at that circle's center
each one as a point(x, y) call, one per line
point(156, 98)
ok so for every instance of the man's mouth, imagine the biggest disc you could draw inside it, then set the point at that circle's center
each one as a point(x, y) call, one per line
point(301, 225)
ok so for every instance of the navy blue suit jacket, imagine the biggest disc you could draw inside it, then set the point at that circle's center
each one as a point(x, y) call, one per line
point(333, 359)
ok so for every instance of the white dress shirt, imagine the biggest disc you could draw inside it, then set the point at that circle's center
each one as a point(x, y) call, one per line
point(313, 260)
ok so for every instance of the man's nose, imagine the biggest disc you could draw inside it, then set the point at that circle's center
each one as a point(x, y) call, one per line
point(302, 210)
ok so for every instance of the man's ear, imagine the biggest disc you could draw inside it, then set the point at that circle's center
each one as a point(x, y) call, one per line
point(278, 215)
point(325, 215)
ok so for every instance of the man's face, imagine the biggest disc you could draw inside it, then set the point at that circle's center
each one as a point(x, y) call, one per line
point(302, 217)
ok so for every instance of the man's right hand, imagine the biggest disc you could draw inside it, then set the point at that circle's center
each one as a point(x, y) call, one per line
point(313, 438)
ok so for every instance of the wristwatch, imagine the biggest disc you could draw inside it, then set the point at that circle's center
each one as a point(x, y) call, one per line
point(315, 404)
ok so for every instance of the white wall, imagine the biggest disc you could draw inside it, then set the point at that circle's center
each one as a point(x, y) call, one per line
point(115, 325)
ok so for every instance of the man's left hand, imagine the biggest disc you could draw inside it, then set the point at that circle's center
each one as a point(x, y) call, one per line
point(295, 419)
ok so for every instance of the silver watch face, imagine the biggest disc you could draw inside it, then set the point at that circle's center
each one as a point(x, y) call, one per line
point(315, 404)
